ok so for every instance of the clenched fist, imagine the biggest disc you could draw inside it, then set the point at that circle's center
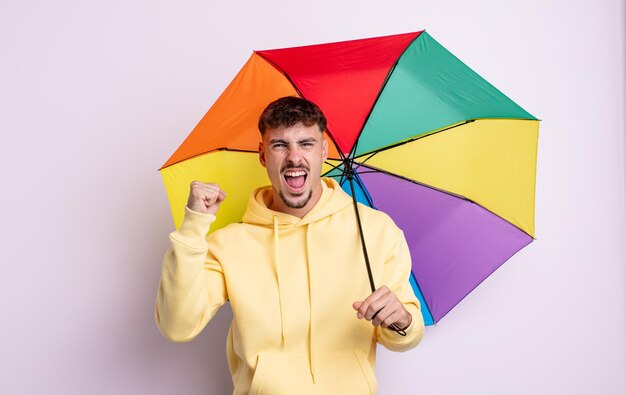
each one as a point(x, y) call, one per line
point(205, 197)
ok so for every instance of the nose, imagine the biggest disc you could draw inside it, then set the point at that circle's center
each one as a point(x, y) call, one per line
point(294, 155)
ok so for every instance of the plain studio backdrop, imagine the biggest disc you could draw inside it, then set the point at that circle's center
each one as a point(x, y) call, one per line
point(95, 96)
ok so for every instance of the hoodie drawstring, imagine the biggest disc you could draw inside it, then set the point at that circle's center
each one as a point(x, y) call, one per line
point(280, 294)
point(312, 362)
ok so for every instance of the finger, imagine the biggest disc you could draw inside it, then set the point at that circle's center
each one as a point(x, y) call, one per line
point(209, 199)
point(377, 305)
point(207, 192)
point(362, 310)
point(371, 299)
point(221, 196)
point(211, 191)
point(356, 306)
point(392, 319)
point(204, 185)
point(393, 305)
point(208, 202)
point(203, 191)
point(383, 314)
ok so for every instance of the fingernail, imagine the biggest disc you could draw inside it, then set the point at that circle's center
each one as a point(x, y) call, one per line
point(359, 315)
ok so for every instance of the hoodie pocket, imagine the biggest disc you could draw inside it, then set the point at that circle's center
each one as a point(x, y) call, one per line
point(287, 373)
point(255, 385)
point(367, 370)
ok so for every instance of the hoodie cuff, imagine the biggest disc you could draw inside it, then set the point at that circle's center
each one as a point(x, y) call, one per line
point(414, 333)
point(194, 228)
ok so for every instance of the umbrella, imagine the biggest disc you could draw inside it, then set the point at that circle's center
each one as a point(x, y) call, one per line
point(412, 131)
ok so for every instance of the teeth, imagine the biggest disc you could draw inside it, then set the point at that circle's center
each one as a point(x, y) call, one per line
point(294, 173)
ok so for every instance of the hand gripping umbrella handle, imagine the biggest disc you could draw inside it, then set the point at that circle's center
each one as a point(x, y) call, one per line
point(349, 173)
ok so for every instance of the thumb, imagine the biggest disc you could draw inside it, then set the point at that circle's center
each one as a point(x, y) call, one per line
point(221, 197)
point(216, 205)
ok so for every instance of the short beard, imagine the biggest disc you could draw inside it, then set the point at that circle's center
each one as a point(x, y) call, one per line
point(300, 204)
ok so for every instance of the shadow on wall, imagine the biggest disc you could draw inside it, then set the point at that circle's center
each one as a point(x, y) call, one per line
point(199, 366)
point(135, 358)
point(195, 367)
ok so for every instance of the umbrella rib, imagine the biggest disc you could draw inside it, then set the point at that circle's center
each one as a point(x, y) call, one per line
point(367, 171)
point(341, 175)
point(333, 166)
point(427, 134)
point(382, 88)
point(210, 151)
point(421, 136)
point(456, 195)
point(367, 197)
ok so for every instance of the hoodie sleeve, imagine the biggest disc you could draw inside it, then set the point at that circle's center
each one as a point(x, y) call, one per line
point(192, 287)
point(396, 276)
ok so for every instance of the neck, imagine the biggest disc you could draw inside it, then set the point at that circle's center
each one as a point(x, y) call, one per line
point(276, 203)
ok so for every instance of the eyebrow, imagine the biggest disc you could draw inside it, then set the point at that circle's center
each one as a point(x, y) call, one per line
point(306, 140)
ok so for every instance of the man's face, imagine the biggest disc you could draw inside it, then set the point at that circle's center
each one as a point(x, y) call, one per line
point(293, 157)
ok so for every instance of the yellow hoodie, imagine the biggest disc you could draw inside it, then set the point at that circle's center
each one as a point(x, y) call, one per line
point(291, 284)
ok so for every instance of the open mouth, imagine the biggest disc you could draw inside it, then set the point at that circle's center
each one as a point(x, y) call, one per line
point(295, 179)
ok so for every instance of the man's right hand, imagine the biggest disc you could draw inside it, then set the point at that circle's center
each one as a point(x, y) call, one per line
point(205, 197)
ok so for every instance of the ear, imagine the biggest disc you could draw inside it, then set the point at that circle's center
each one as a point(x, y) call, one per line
point(324, 149)
point(261, 154)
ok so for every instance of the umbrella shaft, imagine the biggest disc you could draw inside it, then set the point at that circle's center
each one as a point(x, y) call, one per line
point(350, 176)
point(358, 220)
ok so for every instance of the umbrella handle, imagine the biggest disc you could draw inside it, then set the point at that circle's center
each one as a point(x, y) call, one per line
point(393, 326)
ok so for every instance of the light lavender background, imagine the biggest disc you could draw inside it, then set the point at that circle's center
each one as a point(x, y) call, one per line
point(95, 96)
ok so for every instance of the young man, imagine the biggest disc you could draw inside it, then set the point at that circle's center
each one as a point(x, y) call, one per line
point(293, 271)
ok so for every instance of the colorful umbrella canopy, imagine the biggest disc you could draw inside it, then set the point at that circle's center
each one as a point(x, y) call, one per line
point(448, 156)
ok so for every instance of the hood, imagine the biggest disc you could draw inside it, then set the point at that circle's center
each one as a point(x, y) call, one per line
point(332, 200)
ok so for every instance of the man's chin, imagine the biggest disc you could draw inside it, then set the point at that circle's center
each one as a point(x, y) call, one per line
point(298, 202)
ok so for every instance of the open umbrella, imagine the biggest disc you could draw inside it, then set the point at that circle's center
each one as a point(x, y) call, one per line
point(412, 131)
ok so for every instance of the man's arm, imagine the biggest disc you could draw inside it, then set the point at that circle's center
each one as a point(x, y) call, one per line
point(394, 302)
point(192, 286)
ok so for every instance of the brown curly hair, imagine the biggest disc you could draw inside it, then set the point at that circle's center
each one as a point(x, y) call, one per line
point(290, 110)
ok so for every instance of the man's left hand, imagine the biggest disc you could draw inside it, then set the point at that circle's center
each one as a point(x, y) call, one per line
point(386, 303)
